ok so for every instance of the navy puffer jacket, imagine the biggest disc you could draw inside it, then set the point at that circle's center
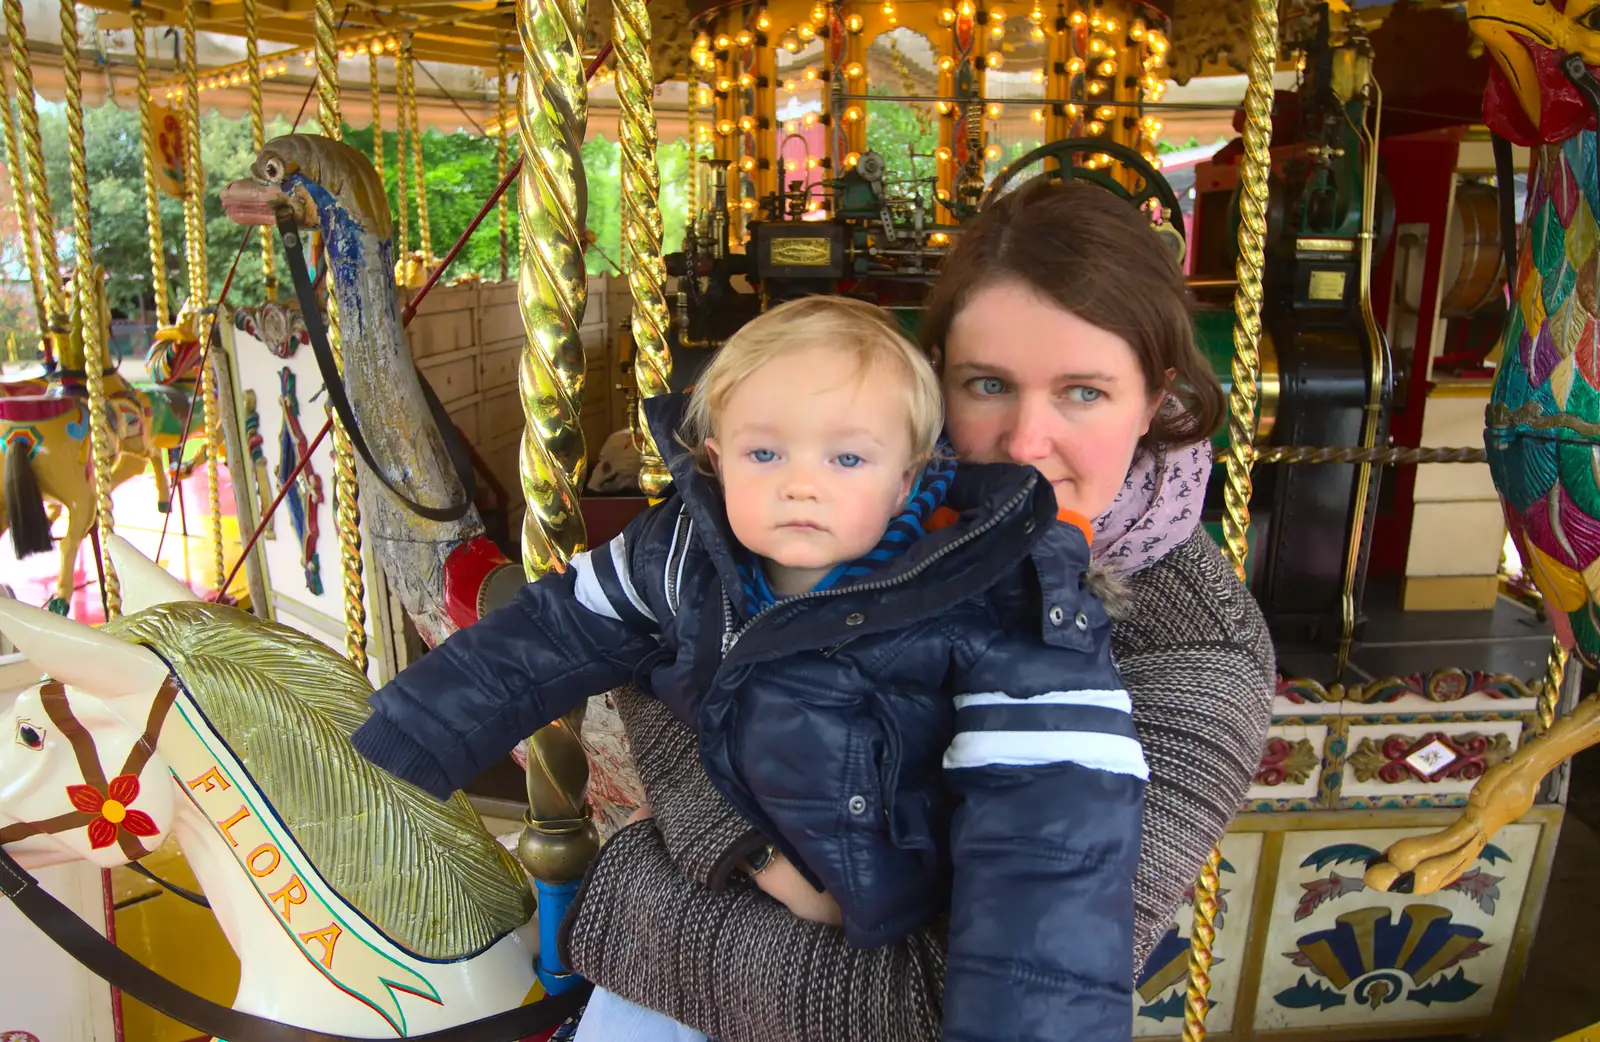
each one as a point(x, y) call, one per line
point(945, 733)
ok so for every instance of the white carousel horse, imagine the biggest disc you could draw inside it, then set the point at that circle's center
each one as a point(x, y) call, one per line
point(357, 904)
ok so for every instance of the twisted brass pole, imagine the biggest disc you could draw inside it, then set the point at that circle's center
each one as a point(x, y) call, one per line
point(553, 290)
point(402, 146)
point(424, 236)
point(1242, 404)
point(88, 300)
point(25, 224)
point(347, 502)
point(152, 197)
point(258, 132)
point(38, 187)
point(377, 113)
point(502, 153)
point(1555, 669)
point(641, 224)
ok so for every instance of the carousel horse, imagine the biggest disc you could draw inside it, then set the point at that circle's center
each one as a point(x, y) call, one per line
point(47, 450)
point(357, 904)
point(446, 574)
point(1542, 432)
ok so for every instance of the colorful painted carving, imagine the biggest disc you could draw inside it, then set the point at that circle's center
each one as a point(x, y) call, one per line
point(1285, 761)
point(1442, 685)
point(1433, 757)
point(305, 495)
point(255, 445)
point(1375, 959)
point(280, 326)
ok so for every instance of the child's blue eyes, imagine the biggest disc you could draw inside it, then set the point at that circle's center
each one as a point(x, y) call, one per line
point(848, 460)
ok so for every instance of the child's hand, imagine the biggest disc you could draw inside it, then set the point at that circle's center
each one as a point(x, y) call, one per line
point(782, 882)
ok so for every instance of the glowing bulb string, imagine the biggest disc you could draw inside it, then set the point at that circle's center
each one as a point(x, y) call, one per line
point(405, 320)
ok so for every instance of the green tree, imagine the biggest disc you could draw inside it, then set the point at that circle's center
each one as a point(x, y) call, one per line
point(602, 163)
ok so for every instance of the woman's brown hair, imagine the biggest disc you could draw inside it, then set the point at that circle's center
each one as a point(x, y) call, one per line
point(1087, 251)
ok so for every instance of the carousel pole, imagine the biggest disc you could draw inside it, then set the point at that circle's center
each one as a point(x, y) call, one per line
point(33, 150)
point(258, 132)
point(152, 199)
point(377, 112)
point(346, 492)
point(199, 283)
point(559, 839)
point(408, 97)
point(88, 299)
point(402, 146)
point(1242, 404)
point(502, 153)
point(641, 224)
point(25, 223)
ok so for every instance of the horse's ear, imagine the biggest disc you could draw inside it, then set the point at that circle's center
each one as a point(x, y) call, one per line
point(81, 656)
point(144, 583)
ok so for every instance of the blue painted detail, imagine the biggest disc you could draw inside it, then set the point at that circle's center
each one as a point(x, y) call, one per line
point(1493, 854)
point(1338, 853)
point(1446, 989)
point(1171, 1006)
point(78, 429)
point(1305, 995)
point(1369, 993)
point(1172, 947)
point(554, 900)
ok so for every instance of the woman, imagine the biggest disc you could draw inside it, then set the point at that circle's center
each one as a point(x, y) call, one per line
point(1061, 328)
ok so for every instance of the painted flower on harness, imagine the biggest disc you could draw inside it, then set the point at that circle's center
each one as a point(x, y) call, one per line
point(112, 810)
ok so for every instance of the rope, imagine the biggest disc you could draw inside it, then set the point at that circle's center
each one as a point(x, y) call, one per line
point(552, 116)
point(346, 491)
point(502, 154)
point(19, 200)
point(89, 304)
point(1242, 405)
point(152, 198)
point(641, 225)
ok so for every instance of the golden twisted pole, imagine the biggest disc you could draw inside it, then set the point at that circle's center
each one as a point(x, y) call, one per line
point(641, 224)
point(1242, 404)
point(1555, 669)
point(409, 65)
point(402, 146)
point(347, 501)
point(38, 187)
point(19, 199)
point(199, 282)
point(152, 197)
point(502, 154)
point(553, 290)
point(88, 300)
point(1394, 455)
point(258, 131)
point(377, 113)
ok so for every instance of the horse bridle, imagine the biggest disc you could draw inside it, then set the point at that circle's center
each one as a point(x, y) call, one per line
point(104, 959)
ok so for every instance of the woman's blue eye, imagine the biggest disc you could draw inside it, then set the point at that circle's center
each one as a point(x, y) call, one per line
point(848, 459)
point(989, 385)
point(763, 455)
point(1085, 395)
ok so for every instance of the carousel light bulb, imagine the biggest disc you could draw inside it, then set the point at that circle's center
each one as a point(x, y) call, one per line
point(1096, 87)
point(1077, 18)
point(391, 44)
point(747, 205)
point(309, 59)
point(854, 23)
point(819, 13)
point(810, 119)
point(1074, 65)
point(1095, 127)
point(939, 239)
point(1038, 75)
point(1108, 68)
point(702, 42)
point(704, 95)
point(789, 85)
point(852, 159)
point(1097, 45)
point(854, 70)
point(946, 63)
point(966, 9)
point(994, 110)
point(944, 108)
point(997, 30)
point(811, 162)
point(791, 127)
point(888, 8)
point(1157, 60)
point(724, 85)
point(747, 164)
point(1137, 29)
point(994, 59)
point(791, 42)
point(943, 154)
point(745, 38)
point(992, 152)
point(1038, 115)
point(1037, 32)
point(807, 33)
point(791, 166)
point(283, 67)
point(810, 75)
point(361, 50)
point(947, 17)
point(724, 41)
point(852, 114)
point(747, 123)
point(1096, 22)
point(1111, 25)
point(725, 127)
point(1072, 111)
point(762, 21)
point(1105, 112)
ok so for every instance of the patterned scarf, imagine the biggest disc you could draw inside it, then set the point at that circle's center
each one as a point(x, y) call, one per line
point(927, 495)
point(1158, 507)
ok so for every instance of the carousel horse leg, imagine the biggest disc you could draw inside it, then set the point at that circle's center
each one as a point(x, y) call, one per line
point(158, 470)
point(80, 518)
point(1505, 793)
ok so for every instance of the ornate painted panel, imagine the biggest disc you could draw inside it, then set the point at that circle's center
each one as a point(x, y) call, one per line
point(1291, 764)
point(1421, 759)
point(1158, 998)
point(1339, 955)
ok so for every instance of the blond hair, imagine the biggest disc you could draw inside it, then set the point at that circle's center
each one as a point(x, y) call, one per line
point(865, 331)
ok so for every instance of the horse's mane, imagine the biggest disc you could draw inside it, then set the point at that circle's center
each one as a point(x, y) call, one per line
point(427, 874)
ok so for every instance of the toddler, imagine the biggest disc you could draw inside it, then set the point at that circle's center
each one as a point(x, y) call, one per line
point(885, 686)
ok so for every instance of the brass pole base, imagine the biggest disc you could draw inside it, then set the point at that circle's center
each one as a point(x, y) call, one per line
point(558, 851)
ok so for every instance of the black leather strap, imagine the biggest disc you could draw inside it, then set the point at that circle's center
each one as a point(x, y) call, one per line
point(104, 959)
point(171, 888)
point(289, 232)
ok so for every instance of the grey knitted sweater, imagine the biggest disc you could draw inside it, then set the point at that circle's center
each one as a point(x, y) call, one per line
point(658, 922)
